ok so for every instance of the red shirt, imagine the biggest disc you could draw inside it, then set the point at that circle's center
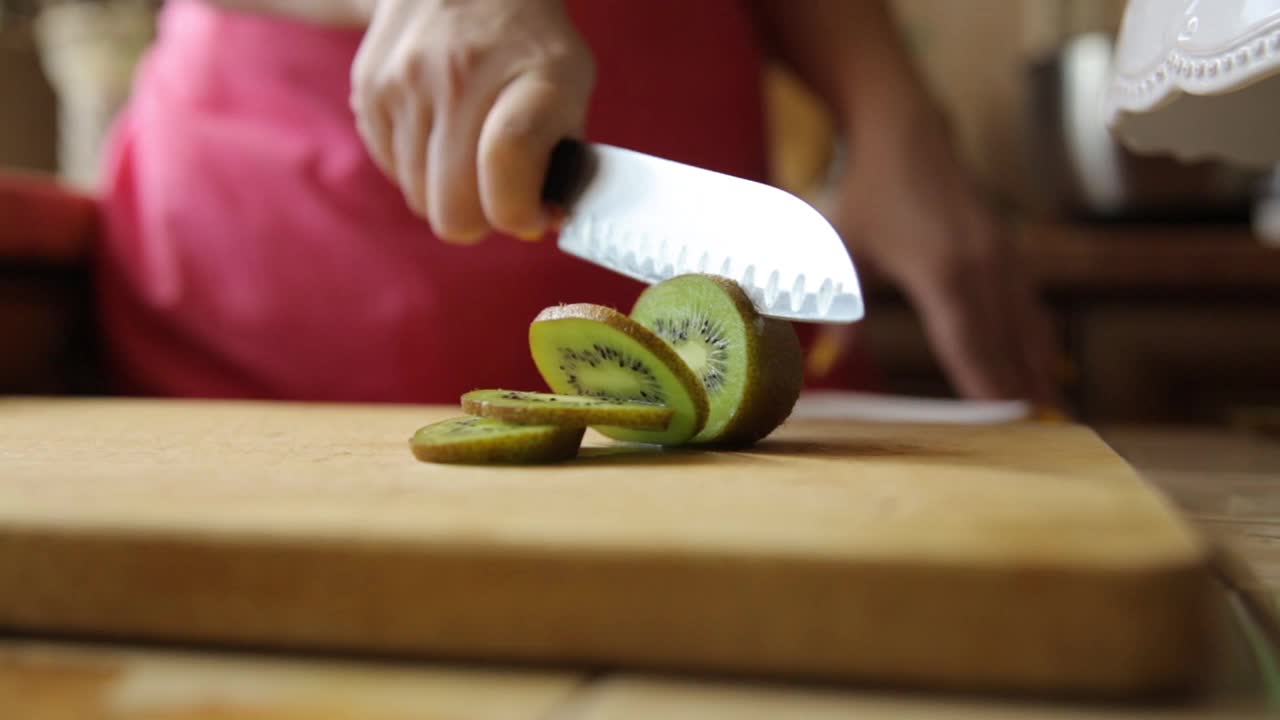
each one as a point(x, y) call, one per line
point(252, 249)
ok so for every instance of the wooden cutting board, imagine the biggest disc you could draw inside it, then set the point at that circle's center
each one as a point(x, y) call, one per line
point(1022, 556)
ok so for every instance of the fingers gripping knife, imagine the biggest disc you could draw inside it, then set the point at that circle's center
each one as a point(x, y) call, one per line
point(652, 219)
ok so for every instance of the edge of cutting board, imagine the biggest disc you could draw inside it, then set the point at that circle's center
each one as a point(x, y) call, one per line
point(1018, 630)
point(1112, 629)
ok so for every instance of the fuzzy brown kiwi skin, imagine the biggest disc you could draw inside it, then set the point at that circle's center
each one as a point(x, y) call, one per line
point(771, 394)
point(555, 444)
point(639, 417)
point(559, 448)
point(647, 338)
point(774, 381)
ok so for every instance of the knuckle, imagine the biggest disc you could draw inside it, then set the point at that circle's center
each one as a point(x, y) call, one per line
point(383, 87)
point(362, 65)
point(569, 60)
point(412, 70)
point(511, 139)
point(365, 92)
point(446, 74)
point(408, 72)
point(455, 70)
point(562, 52)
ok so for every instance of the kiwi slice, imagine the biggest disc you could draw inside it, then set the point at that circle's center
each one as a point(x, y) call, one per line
point(536, 408)
point(472, 439)
point(596, 351)
point(751, 366)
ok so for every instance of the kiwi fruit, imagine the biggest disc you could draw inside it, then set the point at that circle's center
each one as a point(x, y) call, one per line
point(482, 440)
point(751, 366)
point(537, 408)
point(595, 351)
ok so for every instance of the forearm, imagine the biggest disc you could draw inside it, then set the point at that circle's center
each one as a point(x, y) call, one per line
point(851, 54)
point(354, 13)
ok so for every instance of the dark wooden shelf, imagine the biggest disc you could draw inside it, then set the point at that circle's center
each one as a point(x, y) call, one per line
point(1159, 322)
point(1138, 257)
point(1133, 258)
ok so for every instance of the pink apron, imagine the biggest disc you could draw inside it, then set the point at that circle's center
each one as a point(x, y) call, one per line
point(252, 249)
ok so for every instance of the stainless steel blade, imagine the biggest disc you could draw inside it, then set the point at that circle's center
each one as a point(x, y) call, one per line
point(652, 219)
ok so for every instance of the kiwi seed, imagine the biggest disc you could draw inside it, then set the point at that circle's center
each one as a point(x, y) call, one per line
point(751, 366)
point(596, 351)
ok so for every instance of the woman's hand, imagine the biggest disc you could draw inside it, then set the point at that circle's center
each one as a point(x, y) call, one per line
point(905, 204)
point(908, 209)
point(460, 103)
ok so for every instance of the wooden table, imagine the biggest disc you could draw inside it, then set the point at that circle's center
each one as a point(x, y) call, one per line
point(1229, 483)
point(1224, 481)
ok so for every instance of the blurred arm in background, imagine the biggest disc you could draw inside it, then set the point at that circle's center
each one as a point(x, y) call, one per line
point(906, 205)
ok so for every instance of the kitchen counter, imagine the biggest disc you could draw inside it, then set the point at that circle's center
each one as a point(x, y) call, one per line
point(1228, 483)
point(1224, 481)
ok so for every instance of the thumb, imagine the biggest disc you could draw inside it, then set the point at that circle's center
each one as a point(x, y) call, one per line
point(530, 115)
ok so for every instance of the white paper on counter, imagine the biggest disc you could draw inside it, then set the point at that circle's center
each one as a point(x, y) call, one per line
point(836, 405)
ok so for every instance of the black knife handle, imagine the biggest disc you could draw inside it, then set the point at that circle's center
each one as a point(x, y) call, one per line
point(567, 173)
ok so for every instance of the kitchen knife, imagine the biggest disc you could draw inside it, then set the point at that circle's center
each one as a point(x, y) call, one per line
point(651, 219)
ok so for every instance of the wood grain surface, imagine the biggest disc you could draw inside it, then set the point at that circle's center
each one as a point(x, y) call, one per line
point(1021, 556)
point(59, 681)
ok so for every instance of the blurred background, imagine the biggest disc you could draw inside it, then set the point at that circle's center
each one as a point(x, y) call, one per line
point(1164, 285)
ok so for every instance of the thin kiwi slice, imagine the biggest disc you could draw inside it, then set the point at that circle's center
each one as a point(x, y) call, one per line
point(596, 351)
point(537, 408)
point(751, 366)
point(483, 440)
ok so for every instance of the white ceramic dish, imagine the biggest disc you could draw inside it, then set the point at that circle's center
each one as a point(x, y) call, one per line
point(1198, 79)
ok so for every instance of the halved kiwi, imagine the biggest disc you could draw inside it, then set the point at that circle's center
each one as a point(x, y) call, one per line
point(751, 366)
point(596, 351)
point(537, 408)
point(483, 440)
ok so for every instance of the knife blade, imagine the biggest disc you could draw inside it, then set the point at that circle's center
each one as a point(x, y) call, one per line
point(651, 219)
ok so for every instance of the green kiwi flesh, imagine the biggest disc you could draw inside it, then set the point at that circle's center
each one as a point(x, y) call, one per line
point(751, 366)
point(537, 408)
point(481, 440)
point(596, 351)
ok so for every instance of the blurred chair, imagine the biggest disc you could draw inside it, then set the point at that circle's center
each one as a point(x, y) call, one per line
point(47, 330)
